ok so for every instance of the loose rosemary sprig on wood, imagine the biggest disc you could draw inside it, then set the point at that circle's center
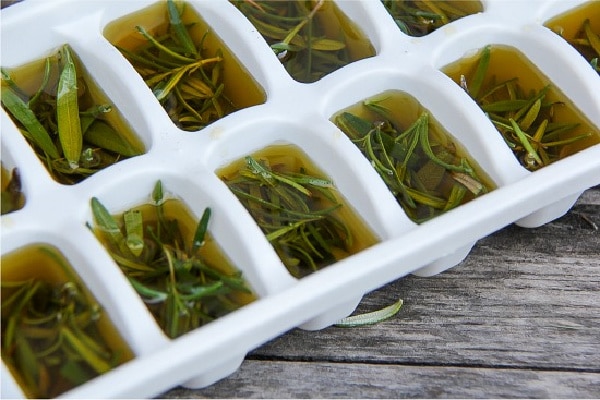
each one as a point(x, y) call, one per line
point(294, 209)
point(297, 37)
point(72, 139)
point(181, 287)
point(51, 337)
point(525, 120)
point(421, 17)
point(186, 81)
point(423, 173)
point(370, 318)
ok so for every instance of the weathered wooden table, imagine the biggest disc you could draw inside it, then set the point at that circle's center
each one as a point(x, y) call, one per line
point(519, 317)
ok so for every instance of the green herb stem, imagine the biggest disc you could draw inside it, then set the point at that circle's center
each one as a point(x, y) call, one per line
point(170, 272)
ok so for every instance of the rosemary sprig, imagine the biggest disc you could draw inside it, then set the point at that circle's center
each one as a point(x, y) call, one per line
point(422, 171)
point(587, 42)
point(421, 17)
point(299, 37)
point(370, 318)
point(525, 120)
point(51, 336)
point(186, 81)
point(68, 133)
point(181, 286)
point(295, 210)
point(580, 29)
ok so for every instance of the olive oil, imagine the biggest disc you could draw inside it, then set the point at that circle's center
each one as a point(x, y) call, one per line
point(508, 66)
point(239, 87)
point(176, 210)
point(26, 81)
point(48, 333)
point(572, 27)
point(419, 18)
point(310, 227)
point(168, 270)
point(389, 130)
point(311, 38)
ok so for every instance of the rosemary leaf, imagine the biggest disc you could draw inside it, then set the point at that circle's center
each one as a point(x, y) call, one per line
point(67, 112)
point(370, 318)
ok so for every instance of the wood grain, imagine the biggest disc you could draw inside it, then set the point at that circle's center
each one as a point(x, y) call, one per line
point(519, 317)
point(276, 379)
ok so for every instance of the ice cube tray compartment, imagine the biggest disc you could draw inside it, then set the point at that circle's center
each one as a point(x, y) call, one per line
point(263, 277)
point(135, 190)
point(292, 113)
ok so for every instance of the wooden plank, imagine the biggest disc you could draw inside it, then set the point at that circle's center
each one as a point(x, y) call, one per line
point(276, 379)
point(524, 322)
point(523, 297)
point(519, 317)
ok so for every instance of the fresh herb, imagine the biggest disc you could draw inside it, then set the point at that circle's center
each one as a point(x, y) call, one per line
point(12, 195)
point(580, 27)
point(587, 42)
point(295, 210)
point(421, 168)
point(370, 318)
point(525, 120)
point(51, 336)
point(421, 17)
point(67, 133)
point(182, 287)
point(67, 113)
point(309, 46)
point(185, 79)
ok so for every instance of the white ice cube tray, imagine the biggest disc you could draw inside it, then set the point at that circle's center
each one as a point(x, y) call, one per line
point(294, 113)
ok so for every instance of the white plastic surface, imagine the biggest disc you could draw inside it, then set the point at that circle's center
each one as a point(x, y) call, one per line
point(186, 162)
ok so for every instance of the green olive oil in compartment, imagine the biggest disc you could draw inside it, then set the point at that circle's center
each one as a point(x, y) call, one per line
point(12, 196)
point(537, 121)
point(311, 38)
point(298, 208)
point(191, 72)
point(55, 336)
point(172, 262)
point(424, 167)
point(66, 118)
point(581, 28)
point(421, 17)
